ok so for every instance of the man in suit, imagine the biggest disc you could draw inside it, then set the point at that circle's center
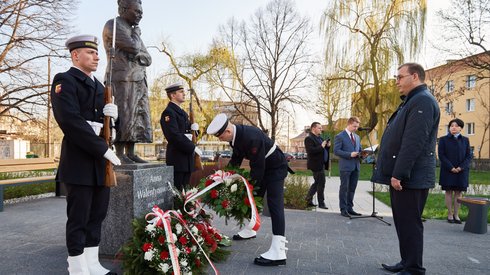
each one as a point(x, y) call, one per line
point(268, 169)
point(347, 146)
point(177, 131)
point(317, 162)
point(407, 162)
point(77, 98)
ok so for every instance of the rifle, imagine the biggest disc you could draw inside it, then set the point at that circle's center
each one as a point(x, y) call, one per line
point(110, 175)
point(197, 158)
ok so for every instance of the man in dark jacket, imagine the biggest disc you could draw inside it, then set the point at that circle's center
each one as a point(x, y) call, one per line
point(317, 162)
point(78, 107)
point(268, 169)
point(406, 162)
point(177, 130)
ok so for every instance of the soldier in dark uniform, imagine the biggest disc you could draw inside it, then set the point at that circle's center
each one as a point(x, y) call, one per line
point(177, 130)
point(78, 106)
point(268, 169)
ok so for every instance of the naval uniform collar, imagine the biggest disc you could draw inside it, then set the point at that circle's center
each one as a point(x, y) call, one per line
point(234, 135)
point(91, 75)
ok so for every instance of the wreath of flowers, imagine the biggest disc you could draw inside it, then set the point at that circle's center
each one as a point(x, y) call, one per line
point(230, 199)
point(193, 243)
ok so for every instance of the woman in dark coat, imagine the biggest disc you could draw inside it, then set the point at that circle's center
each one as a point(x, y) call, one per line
point(455, 157)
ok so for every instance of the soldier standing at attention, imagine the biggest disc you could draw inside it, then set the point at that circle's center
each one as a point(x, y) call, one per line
point(177, 131)
point(78, 106)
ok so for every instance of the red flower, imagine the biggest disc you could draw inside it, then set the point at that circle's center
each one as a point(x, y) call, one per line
point(161, 239)
point(232, 172)
point(214, 194)
point(198, 262)
point(188, 250)
point(251, 187)
point(164, 255)
point(225, 203)
point(217, 236)
point(209, 240)
point(246, 201)
point(147, 246)
point(183, 240)
point(208, 182)
point(213, 247)
point(200, 227)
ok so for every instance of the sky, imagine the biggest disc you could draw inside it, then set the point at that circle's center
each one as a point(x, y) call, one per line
point(190, 25)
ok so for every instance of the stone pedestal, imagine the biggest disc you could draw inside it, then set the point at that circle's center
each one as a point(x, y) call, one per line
point(139, 188)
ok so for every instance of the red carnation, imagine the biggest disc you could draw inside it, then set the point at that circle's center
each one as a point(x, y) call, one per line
point(214, 194)
point(217, 236)
point(208, 182)
point(213, 247)
point(209, 240)
point(225, 203)
point(200, 226)
point(198, 262)
point(183, 240)
point(246, 201)
point(161, 239)
point(164, 255)
point(188, 250)
point(147, 246)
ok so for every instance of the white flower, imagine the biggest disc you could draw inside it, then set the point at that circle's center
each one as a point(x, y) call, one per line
point(194, 230)
point(193, 248)
point(150, 228)
point(178, 228)
point(149, 254)
point(228, 181)
point(183, 263)
point(233, 188)
point(164, 267)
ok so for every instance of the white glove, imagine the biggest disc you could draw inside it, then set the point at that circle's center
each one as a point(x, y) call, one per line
point(113, 134)
point(111, 156)
point(195, 127)
point(198, 151)
point(189, 136)
point(110, 109)
point(96, 126)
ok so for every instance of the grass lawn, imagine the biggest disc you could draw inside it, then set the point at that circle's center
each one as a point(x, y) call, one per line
point(435, 208)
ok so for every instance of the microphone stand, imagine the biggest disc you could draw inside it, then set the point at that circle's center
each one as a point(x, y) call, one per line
point(374, 213)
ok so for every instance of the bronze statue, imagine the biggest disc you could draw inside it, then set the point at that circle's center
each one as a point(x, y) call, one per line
point(129, 80)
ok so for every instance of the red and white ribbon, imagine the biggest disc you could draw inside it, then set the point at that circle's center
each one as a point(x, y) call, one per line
point(218, 178)
point(164, 217)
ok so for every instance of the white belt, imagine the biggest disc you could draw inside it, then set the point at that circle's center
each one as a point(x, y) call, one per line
point(273, 148)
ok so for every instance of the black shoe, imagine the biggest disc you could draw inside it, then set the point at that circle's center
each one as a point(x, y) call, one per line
point(137, 159)
point(125, 160)
point(450, 220)
point(354, 213)
point(237, 237)
point(310, 204)
point(393, 268)
point(345, 214)
point(323, 206)
point(266, 262)
point(458, 221)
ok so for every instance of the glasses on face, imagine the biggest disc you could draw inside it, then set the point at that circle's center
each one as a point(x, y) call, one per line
point(398, 77)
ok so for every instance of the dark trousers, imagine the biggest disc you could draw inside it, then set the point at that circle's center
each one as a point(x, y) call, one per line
point(348, 184)
point(181, 180)
point(317, 187)
point(407, 206)
point(273, 183)
point(86, 209)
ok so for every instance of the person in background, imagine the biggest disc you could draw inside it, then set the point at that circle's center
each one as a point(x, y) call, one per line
point(347, 146)
point(455, 157)
point(77, 98)
point(317, 162)
point(176, 128)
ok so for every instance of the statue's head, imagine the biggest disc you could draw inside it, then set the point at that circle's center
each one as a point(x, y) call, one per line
point(130, 10)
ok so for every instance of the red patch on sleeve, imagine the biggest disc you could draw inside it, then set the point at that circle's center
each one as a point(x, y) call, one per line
point(167, 118)
point(57, 89)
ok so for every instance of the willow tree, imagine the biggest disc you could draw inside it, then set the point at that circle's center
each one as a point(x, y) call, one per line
point(367, 40)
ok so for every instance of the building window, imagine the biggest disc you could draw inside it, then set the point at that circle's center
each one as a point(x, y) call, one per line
point(470, 128)
point(449, 86)
point(470, 105)
point(449, 108)
point(471, 81)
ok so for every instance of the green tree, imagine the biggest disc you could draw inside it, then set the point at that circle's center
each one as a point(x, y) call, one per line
point(366, 40)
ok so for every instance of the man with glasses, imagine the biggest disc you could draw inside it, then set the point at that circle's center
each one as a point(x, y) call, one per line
point(407, 162)
point(177, 131)
point(268, 169)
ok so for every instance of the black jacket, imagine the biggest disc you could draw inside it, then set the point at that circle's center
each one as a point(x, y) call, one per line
point(407, 148)
point(180, 149)
point(75, 99)
point(314, 149)
point(252, 144)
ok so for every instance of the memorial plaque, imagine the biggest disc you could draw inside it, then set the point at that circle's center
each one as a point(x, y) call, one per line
point(140, 187)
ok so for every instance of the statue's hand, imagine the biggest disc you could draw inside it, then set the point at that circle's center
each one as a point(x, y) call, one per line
point(143, 59)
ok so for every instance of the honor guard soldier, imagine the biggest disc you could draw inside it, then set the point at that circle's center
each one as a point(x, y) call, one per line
point(177, 131)
point(268, 168)
point(78, 106)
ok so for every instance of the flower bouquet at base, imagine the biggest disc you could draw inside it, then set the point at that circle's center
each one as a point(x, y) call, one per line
point(172, 242)
point(229, 196)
